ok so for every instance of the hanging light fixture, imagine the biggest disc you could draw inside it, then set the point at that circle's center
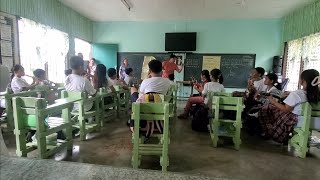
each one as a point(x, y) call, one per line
point(126, 4)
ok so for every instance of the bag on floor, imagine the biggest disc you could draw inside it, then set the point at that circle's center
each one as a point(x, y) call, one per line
point(200, 118)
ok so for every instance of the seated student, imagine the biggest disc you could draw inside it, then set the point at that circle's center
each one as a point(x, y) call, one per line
point(273, 88)
point(154, 85)
point(278, 120)
point(100, 78)
point(129, 79)
point(112, 80)
point(77, 83)
point(19, 84)
point(196, 98)
point(171, 78)
point(40, 74)
point(256, 81)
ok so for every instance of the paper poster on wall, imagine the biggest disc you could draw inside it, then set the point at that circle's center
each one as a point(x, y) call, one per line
point(7, 61)
point(5, 32)
point(145, 68)
point(211, 62)
point(6, 48)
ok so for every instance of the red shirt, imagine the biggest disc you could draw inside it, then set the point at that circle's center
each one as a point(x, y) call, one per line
point(168, 68)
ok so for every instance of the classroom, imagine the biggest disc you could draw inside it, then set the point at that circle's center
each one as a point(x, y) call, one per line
point(160, 89)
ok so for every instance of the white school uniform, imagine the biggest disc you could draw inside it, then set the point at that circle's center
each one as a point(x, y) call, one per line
point(259, 85)
point(155, 84)
point(76, 83)
point(212, 87)
point(295, 99)
point(18, 83)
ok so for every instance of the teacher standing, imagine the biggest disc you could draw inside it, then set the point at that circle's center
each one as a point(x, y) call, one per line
point(169, 66)
point(122, 69)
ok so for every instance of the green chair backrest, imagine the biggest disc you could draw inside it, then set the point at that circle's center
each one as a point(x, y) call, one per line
point(315, 110)
point(150, 111)
point(69, 94)
point(226, 103)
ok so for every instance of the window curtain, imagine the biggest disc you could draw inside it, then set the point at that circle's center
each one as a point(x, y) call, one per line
point(43, 47)
point(303, 53)
point(302, 22)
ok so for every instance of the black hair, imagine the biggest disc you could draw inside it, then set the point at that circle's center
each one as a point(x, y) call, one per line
point(273, 77)
point(309, 75)
point(39, 72)
point(112, 72)
point(155, 66)
point(100, 75)
point(206, 74)
point(171, 77)
point(15, 69)
point(172, 56)
point(94, 59)
point(128, 70)
point(76, 62)
point(67, 72)
point(260, 70)
point(216, 74)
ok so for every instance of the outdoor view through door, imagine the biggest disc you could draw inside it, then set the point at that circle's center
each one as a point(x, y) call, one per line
point(43, 47)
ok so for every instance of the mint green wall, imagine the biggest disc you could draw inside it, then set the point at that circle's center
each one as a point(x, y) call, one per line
point(52, 13)
point(105, 54)
point(262, 37)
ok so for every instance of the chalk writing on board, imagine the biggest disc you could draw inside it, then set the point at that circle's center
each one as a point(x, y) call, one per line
point(192, 63)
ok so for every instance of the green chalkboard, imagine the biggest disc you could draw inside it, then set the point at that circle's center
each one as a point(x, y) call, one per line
point(235, 68)
point(136, 60)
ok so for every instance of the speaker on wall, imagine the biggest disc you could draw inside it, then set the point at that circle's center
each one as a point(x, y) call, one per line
point(277, 64)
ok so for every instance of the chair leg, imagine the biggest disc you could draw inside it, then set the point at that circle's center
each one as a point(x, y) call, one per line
point(69, 140)
point(42, 146)
point(215, 137)
point(236, 139)
point(21, 144)
point(82, 128)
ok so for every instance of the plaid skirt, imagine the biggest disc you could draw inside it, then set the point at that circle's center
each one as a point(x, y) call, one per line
point(277, 124)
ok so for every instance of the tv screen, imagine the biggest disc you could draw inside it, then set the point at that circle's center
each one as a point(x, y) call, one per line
point(181, 41)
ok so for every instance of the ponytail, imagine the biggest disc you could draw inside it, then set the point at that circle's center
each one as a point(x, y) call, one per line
point(217, 75)
point(313, 93)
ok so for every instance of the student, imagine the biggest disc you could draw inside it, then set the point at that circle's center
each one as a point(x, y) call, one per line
point(169, 66)
point(129, 79)
point(40, 74)
point(196, 98)
point(256, 81)
point(100, 78)
point(152, 86)
point(77, 83)
point(112, 80)
point(19, 84)
point(277, 119)
point(171, 78)
point(92, 67)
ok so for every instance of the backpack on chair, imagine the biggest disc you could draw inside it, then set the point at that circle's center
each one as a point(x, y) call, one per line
point(200, 118)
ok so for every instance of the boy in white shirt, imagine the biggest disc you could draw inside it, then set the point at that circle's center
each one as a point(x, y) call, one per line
point(77, 83)
point(154, 84)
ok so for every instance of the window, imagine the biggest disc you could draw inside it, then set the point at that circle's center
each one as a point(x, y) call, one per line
point(83, 47)
point(43, 47)
point(302, 54)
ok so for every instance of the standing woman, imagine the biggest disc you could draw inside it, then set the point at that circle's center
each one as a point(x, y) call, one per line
point(92, 67)
point(123, 67)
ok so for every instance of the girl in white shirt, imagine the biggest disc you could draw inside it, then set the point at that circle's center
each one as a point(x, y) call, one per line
point(19, 84)
point(273, 88)
point(278, 120)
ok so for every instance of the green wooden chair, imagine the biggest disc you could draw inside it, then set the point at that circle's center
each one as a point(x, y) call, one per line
point(226, 127)
point(33, 114)
point(123, 100)
point(301, 135)
point(108, 109)
point(150, 112)
point(8, 95)
point(222, 94)
point(80, 115)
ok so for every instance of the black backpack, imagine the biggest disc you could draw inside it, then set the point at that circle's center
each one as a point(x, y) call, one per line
point(200, 118)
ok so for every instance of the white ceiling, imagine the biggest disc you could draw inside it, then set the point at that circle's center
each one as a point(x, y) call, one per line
point(156, 10)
